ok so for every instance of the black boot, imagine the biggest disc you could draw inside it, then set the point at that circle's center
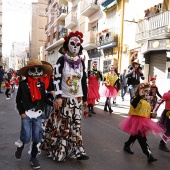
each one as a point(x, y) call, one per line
point(127, 148)
point(18, 153)
point(92, 110)
point(151, 159)
point(163, 147)
point(110, 110)
point(90, 113)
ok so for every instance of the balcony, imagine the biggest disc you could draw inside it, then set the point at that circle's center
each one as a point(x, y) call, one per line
point(63, 33)
point(89, 40)
point(107, 38)
point(71, 20)
point(89, 7)
point(62, 12)
point(156, 27)
point(69, 0)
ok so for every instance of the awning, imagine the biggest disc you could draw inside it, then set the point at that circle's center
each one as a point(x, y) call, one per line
point(109, 3)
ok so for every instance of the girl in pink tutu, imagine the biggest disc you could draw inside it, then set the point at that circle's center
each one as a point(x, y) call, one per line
point(109, 89)
point(138, 124)
point(94, 76)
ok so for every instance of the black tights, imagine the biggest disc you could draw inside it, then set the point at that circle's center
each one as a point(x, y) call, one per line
point(142, 141)
point(107, 102)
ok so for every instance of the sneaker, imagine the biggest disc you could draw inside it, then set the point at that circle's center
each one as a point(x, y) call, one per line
point(7, 98)
point(34, 163)
point(18, 153)
point(83, 157)
point(1, 92)
point(151, 159)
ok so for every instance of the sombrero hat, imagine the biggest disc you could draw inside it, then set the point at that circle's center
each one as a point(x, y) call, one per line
point(47, 69)
point(47, 63)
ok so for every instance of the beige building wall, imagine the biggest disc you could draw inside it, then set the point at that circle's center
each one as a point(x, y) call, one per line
point(37, 34)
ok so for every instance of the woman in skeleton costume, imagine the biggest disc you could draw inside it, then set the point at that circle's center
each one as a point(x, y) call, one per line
point(30, 101)
point(63, 136)
point(93, 86)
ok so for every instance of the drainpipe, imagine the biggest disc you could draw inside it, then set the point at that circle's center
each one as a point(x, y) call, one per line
point(121, 37)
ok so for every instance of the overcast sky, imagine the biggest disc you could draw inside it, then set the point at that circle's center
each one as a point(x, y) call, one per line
point(16, 22)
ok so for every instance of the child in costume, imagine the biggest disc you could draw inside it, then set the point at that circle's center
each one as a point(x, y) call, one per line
point(63, 135)
point(8, 88)
point(138, 124)
point(30, 101)
point(165, 122)
point(110, 87)
point(94, 76)
point(154, 92)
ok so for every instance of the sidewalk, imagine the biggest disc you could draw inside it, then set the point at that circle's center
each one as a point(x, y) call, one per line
point(122, 106)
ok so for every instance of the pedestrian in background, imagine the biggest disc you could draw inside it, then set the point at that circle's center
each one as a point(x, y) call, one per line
point(123, 83)
point(138, 124)
point(165, 122)
point(94, 77)
point(134, 74)
point(1, 77)
point(30, 101)
point(8, 88)
point(109, 88)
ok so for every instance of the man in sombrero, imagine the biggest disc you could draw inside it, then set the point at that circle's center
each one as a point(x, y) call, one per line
point(30, 101)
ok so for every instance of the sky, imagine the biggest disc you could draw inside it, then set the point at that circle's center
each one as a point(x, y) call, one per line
point(15, 22)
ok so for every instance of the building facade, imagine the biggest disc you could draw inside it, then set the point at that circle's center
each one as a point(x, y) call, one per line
point(37, 32)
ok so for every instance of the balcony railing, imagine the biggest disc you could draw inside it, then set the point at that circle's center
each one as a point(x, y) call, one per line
point(89, 40)
point(157, 26)
point(62, 12)
point(107, 36)
point(71, 20)
point(89, 7)
point(63, 33)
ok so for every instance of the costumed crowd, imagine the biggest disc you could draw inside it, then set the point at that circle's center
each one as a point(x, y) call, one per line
point(51, 101)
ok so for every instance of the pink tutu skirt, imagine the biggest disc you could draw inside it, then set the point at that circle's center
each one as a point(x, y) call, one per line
point(108, 91)
point(135, 125)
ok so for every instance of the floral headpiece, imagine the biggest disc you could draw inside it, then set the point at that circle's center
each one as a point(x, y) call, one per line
point(73, 34)
point(144, 85)
point(152, 78)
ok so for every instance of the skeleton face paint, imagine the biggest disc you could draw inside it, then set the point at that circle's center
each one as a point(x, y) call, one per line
point(35, 71)
point(74, 45)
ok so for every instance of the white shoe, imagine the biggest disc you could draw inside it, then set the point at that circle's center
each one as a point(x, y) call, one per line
point(7, 98)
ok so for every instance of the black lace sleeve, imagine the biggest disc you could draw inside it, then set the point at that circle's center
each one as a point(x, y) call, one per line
point(58, 77)
point(84, 83)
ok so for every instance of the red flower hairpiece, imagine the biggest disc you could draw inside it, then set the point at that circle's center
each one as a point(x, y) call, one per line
point(152, 78)
point(72, 34)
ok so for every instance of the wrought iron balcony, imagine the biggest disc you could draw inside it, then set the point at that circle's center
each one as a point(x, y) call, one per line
point(63, 33)
point(62, 12)
point(107, 38)
point(157, 26)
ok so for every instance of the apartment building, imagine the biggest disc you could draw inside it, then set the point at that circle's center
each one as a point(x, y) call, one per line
point(148, 27)
point(0, 31)
point(97, 19)
point(37, 32)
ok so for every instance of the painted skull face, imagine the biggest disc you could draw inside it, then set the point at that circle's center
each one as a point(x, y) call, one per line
point(35, 71)
point(74, 45)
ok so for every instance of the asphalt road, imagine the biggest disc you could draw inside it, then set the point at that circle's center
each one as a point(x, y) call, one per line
point(103, 142)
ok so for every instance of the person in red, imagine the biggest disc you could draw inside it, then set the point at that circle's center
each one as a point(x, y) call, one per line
point(94, 76)
point(154, 92)
point(8, 88)
point(165, 122)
